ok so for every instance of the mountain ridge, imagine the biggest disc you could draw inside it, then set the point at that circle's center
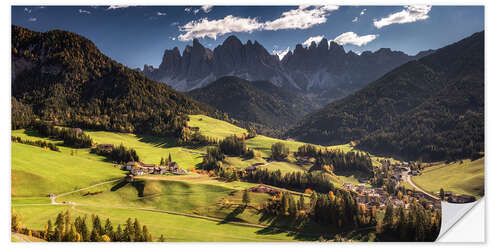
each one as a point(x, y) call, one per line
point(389, 112)
point(258, 102)
point(325, 70)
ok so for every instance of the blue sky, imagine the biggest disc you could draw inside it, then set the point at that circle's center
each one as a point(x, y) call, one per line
point(138, 35)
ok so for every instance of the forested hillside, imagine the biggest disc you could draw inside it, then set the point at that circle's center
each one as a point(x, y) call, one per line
point(63, 78)
point(256, 102)
point(430, 109)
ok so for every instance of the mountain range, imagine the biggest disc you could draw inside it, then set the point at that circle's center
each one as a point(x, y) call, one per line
point(430, 109)
point(323, 70)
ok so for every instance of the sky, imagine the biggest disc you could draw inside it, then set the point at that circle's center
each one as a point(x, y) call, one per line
point(138, 35)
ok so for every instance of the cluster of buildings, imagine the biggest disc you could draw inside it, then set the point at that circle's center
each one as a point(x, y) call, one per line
point(265, 189)
point(458, 198)
point(139, 168)
point(378, 198)
point(370, 197)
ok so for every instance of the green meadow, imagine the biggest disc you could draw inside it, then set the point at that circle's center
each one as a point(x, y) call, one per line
point(173, 227)
point(213, 127)
point(461, 177)
point(36, 172)
point(192, 207)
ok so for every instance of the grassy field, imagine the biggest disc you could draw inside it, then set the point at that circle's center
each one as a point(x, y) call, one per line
point(151, 149)
point(213, 127)
point(37, 172)
point(175, 193)
point(242, 163)
point(173, 227)
point(461, 178)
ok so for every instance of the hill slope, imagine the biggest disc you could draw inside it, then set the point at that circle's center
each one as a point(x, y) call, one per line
point(62, 77)
point(431, 108)
point(259, 102)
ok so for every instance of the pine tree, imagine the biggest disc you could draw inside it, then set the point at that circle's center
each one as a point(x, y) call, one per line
point(118, 236)
point(108, 228)
point(146, 235)
point(137, 231)
point(246, 197)
point(48, 231)
point(161, 239)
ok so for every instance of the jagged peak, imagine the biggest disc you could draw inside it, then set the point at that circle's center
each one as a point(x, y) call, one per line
point(323, 43)
point(197, 44)
point(232, 39)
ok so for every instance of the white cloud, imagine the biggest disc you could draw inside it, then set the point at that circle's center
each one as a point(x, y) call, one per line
point(353, 38)
point(174, 24)
point(84, 11)
point(195, 11)
point(207, 8)
point(161, 13)
point(315, 39)
point(213, 28)
point(355, 20)
point(303, 17)
point(114, 7)
point(32, 19)
point(362, 12)
point(281, 53)
point(409, 15)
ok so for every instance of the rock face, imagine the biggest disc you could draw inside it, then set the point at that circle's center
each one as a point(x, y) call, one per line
point(324, 69)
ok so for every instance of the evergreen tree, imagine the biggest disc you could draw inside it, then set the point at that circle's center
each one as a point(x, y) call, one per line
point(246, 197)
point(161, 239)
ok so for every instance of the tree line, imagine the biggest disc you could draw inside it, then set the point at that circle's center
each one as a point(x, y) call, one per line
point(336, 160)
point(64, 229)
point(71, 137)
point(118, 154)
point(413, 224)
point(39, 143)
point(293, 180)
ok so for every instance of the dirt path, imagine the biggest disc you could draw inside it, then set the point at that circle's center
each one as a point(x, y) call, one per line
point(19, 238)
point(408, 179)
point(53, 198)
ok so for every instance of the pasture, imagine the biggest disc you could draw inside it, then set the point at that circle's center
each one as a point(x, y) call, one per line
point(461, 177)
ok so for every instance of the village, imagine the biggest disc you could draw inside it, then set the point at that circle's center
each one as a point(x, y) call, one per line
point(139, 168)
point(400, 172)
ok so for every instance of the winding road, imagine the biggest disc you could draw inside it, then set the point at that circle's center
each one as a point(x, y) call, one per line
point(408, 179)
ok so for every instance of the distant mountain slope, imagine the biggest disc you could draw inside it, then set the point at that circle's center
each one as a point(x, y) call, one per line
point(431, 108)
point(325, 70)
point(62, 77)
point(258, 102)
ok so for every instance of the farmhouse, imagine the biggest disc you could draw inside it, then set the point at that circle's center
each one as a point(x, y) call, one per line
point(129, 165)
point(454, 198)
point(347, 186)
point(250, 168)
point(265, 189)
